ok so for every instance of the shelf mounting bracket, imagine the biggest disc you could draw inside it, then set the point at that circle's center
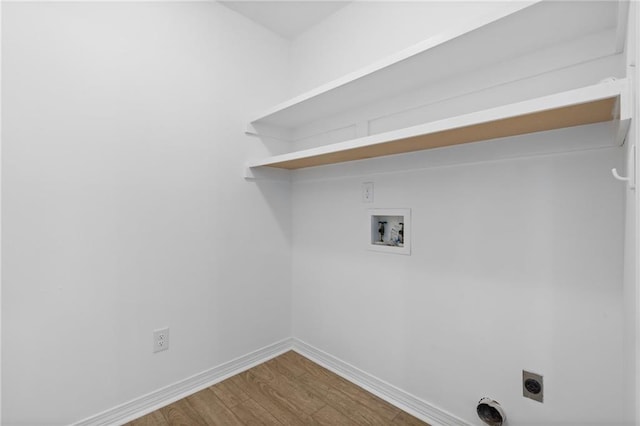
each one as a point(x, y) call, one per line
point(631, 170)
point(253, 174)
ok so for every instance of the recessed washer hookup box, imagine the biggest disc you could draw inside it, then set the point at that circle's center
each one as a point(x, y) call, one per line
point(389, 230)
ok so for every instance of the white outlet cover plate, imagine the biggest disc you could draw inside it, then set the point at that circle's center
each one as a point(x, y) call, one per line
point(367, 192)
point(161, 339)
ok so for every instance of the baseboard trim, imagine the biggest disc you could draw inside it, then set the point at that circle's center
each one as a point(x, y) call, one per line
point(152, 401)
point(164, 396)
point(395, 396)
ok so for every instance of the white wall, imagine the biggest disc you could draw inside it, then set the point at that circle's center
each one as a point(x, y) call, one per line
point(124, 210)
point(365, 32)
point(516, 264)
point(124, 207)
point(631, 293)
point(0, 215)
point(632, 277)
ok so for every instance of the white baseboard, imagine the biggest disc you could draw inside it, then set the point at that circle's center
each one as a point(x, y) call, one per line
point(164, 396)
point(397, 397)
point(152, 401)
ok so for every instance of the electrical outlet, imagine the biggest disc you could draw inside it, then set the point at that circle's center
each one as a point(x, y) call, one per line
point(367, 192)
point(532, 386)
point(161, 339)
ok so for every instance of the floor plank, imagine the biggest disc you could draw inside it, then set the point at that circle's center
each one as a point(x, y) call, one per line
point(289, 390)
point(358, 413)
point(280, 367)
point(229, 393)
point(329, 416)
point(378, 405)
point(302, 397)
point(155, 418)
point(272, 400)
point(322, 378)
point(253, 414)
point(212, 410)
point(180, 413)
point(289, 361)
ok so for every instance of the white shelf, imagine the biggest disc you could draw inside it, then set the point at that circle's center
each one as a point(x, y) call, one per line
point(606, 101)
point(527, 27)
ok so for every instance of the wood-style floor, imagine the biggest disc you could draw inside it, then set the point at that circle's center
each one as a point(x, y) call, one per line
point(287, 390)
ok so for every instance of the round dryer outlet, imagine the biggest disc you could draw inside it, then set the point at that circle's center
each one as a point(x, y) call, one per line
point(490, 412)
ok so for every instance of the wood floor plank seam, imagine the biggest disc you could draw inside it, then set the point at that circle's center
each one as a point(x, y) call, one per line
point(289, 390)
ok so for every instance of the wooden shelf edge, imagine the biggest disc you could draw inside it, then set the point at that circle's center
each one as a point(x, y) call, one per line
point(592, 104)
point(414, 50)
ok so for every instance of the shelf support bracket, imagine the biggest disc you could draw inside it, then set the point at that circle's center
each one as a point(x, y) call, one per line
point(268, 132)
point(631, 169)
point(252, 174)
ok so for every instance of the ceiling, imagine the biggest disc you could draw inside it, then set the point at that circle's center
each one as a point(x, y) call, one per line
point(286, 18)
